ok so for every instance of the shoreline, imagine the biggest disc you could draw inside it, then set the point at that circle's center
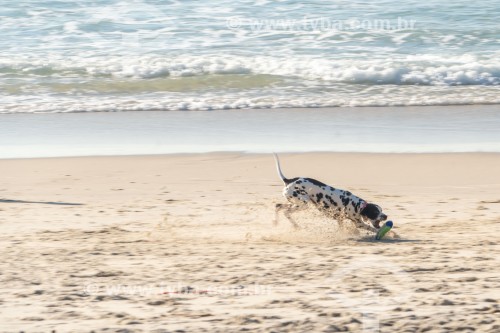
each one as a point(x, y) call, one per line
point(343, 107)
point(252, 154)
point(365, 129)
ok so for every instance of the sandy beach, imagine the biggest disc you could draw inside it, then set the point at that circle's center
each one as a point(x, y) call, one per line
point(186, 243)
point(138, 190)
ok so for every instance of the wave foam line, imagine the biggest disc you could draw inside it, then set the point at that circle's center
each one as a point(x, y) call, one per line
point(411, 70)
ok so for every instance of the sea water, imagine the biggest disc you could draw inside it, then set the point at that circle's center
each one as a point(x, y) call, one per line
point(111, 55)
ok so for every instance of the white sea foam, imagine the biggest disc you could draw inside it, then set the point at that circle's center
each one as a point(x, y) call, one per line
point(221, 82)
point(425, 69)
point(210, 101)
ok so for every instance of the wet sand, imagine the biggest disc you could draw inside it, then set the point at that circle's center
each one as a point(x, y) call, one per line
point(430, 129)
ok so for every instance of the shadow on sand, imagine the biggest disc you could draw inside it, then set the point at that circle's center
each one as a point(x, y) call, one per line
point(390, 240)
point(41, 202)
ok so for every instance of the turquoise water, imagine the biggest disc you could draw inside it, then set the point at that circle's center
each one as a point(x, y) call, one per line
point(109, 55)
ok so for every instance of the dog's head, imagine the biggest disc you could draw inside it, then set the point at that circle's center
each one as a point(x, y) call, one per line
point(374, 214)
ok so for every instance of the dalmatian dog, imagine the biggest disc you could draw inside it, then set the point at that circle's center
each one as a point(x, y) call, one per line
point(335, 203)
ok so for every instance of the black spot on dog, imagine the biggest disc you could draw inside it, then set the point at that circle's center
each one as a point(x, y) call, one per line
point(348, 193)
point(315, 182)
point(345, 201)
point(332, 189)
point(319, 196)
point(288, 181)
point(295, 194)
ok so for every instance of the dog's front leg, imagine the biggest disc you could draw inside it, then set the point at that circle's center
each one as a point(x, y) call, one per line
point(361, 225)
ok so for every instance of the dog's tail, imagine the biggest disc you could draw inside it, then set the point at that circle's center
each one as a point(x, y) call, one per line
point(278, 167)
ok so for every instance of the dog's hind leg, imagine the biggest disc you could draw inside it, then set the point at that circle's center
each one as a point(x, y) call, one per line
point(279, 207)
point(288, 209)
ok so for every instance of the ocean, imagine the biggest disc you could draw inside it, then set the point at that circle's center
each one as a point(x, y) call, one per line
point(111, 55)
point(125, 77)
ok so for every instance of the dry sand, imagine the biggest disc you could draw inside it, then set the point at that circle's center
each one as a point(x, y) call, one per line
point(186, 242)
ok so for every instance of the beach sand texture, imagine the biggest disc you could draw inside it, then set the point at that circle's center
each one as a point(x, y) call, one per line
point(187, 242)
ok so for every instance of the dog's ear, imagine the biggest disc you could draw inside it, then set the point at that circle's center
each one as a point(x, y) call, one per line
point(371, 211)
